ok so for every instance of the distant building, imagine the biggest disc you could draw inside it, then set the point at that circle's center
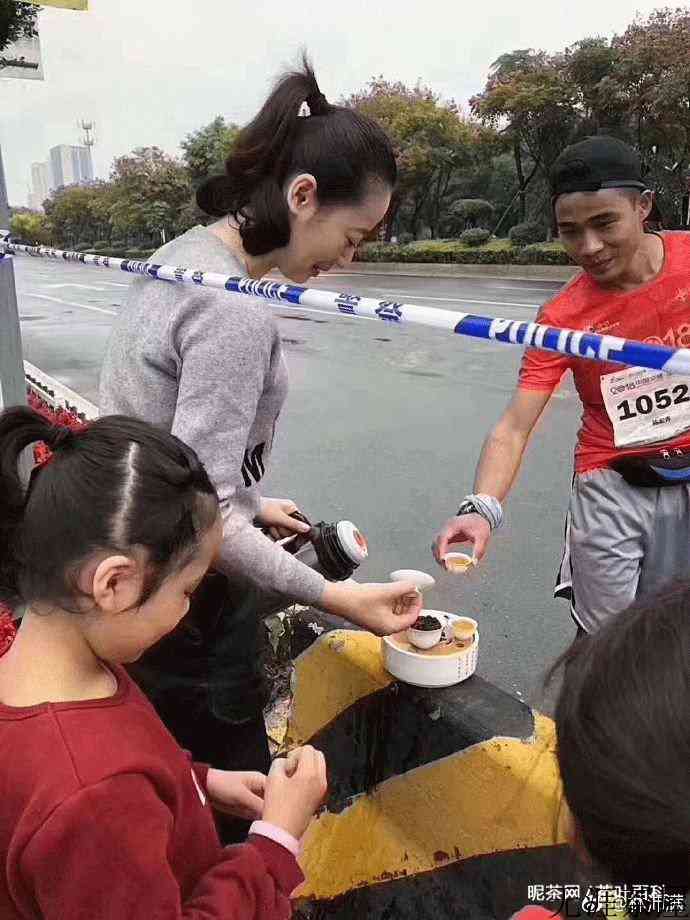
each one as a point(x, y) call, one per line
point(67, 165)
point(70, 165)
point(40, 185)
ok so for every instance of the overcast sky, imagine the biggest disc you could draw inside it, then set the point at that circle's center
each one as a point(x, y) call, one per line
point(150, 71)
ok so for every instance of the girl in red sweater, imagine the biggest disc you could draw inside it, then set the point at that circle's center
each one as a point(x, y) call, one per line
point(623, 729)
point(102, 815)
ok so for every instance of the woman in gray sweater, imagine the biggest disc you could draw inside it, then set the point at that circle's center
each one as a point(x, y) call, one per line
point(303, 185)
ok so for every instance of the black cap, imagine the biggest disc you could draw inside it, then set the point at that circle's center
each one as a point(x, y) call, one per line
point(596, 163)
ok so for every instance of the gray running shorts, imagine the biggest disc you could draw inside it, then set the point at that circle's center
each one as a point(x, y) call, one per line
point(622, 543)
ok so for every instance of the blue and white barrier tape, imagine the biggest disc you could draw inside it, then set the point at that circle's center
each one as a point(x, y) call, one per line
point(572, 342)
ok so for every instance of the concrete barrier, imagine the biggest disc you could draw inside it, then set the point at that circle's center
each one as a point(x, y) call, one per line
point(442, 803)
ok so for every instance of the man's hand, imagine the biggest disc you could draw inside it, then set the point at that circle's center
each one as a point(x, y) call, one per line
point(468, 528)
point(274, 513)
point(498, 466)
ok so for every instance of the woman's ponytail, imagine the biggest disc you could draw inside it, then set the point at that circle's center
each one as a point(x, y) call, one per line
point(297, 130)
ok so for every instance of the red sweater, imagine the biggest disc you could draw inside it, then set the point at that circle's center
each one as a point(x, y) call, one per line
point(102, 818)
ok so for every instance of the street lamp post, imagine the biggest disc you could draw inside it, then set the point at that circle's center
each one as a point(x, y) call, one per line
point(12, 381)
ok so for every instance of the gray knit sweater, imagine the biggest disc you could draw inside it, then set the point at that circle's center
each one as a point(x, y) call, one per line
point(208, 366)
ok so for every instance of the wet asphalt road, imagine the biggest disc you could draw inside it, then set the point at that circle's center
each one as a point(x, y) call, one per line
point(383, 426)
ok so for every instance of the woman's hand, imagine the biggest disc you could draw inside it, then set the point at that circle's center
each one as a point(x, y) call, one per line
point(235, 793)
point(382, 609)
point(274, 513)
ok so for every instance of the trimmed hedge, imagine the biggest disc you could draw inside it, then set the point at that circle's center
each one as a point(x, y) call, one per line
point(527, 233)
point(496, 252)
point(475, 236)
point(140, 254)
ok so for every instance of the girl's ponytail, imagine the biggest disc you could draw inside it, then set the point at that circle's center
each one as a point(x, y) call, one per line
point(19, 428)
point(116, 484)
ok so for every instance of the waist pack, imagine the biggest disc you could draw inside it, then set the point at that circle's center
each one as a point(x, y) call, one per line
point(654, 471)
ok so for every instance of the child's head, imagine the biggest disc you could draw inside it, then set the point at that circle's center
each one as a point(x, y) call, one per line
point(623, 726)
point(117, 528)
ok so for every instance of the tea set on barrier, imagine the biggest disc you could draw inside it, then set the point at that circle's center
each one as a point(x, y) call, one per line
point(440, 649)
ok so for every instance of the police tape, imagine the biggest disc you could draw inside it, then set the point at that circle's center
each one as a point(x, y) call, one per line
point(576, 343)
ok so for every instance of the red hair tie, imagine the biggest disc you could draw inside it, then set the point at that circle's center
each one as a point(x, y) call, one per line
point(8, 628)
point(43, 455)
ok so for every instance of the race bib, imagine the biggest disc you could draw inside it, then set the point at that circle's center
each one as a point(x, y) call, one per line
point(646, 406)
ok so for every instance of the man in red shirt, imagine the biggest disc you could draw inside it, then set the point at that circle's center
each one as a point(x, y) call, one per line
point(628, 529)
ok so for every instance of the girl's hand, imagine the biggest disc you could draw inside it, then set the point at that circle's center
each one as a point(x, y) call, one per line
point(296, 787)
point(237, 794)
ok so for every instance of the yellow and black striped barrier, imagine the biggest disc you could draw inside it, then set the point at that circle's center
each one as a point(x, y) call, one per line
point(443, 803)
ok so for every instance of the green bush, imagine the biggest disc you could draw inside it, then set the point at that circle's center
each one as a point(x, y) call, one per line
point(405, 237)
point(544, 254)
point(527, 233)
point(475, 236)
point(118, 244)
point(495, 252)
point(83, 247)
point(101, 244)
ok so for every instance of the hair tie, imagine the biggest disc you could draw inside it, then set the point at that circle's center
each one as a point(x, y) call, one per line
point(317, 102)
point(64, 435)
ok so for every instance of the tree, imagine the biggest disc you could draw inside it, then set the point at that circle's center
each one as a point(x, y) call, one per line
point(69, 211)
point(150, 190)
point(432, 142)
point(652, 81)
point(529, 98)
point(32, 227)
point(17, 20)
point(101, 201)
point(205, 150)
point(590, 65)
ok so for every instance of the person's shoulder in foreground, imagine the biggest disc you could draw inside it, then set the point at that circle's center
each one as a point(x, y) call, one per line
point(533, 913)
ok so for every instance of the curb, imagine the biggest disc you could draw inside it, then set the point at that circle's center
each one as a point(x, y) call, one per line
point(556, 273)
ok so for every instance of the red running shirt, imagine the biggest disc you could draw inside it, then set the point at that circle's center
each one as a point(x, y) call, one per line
point(657, 312)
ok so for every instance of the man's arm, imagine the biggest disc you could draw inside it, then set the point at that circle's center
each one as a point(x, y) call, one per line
point(498, 466)
point(505, 445)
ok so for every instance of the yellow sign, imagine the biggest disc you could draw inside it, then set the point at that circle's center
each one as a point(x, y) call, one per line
point(63, 4)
